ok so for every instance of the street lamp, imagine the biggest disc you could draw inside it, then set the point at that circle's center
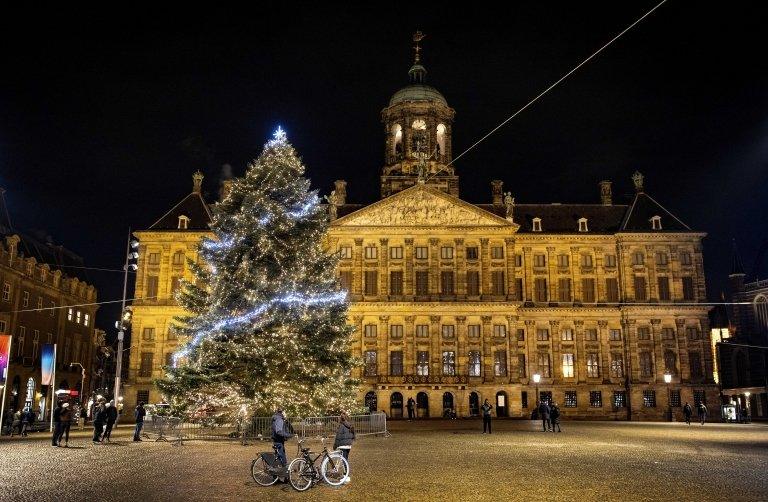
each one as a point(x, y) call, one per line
point(536, 380)
point(131, 254)
point(668, 380)
point(82, 379)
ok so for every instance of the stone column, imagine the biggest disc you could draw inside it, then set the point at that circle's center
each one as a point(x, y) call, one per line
point(631, 348)
point(530, 342)
point(383, 346)
point(681, 342)
point(579, 354)
point(528, 278)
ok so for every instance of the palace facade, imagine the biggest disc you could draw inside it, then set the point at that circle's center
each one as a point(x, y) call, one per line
point(456, 302)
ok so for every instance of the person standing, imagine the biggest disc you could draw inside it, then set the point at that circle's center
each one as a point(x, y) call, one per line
point(544, 415)
point(66, 422)
point(687, 412)
point(139, 415)
point(99, 420)
point(345, 435)
point(28, 419)
point(486, 409)
point(702, 412)
point(8, 421)
point(56, 424)
point(17, 420)
point(111, 418)
point(280, 432)
point(554, 417)
point(411, 408)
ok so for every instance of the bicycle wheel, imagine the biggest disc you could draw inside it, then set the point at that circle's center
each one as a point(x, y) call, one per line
point(334, 469)
point(261, 472)
point(300, 474)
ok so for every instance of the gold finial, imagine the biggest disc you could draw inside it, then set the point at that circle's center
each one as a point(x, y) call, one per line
point(417, 37)
point(637, 179)
point(197, 181)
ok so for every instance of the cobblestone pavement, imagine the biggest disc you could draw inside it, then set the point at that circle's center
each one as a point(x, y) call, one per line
point(428, 460)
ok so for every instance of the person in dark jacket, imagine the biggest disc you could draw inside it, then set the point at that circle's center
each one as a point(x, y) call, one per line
point(687, 412)
point(139, 415)
point(66, 422)
point(99, 421)
point(544, 415)
point(280, 432)
point(554, 417)
point(17, 420)
point(702, 413)
point(411, 408)
point(345, 435)
point(111, 419)
point(56, 424)
point(486, 409)
point(27, 420)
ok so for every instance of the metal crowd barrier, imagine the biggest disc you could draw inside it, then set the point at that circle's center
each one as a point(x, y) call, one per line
point(163, 428)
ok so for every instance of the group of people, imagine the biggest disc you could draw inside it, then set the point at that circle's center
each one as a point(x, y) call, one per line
point(549, 415)
point(688, 412)
point(20, 421)
point(104, 418)
point(282, 431)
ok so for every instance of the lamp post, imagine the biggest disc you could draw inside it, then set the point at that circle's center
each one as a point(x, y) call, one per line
point(130, 255)
point(747, 418)
point(668, 380)
point(82, 379)
point(536, 380)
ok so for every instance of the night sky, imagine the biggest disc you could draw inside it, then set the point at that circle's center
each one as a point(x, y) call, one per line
point(105, 116)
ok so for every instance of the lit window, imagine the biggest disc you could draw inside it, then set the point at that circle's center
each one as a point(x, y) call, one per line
point(562, 260)
point(595, 399)
point(619, 399)
point(79, 317)
point(586, 260)
point(497, 252)
point(422, 363)
point(649, 398)
point(396, 331)
point(474, 363)
point(543, 360)
point(656, 223)
point(370, 330)
point(6, 292)
point(593, 365)
point(422, 330)
point(421, 253)
point(446, 253)
point(183, 222)
point(567, 335)
point(568, 365)
point(590, 334)
point(537, 224)
point(25, 299)
point(500, 363)
point(449, 330)
point(371, 252)
point(449, 362)
point(473, 331)
point(370, 363)
point(419, 125)
point(610, 260)
point(570, 399)
point(396, 252)
point(499, 330)
point(345, 252)
point(542, 334)
point(638, 258)
point(70, 314)
point(617, 366)
point(583, 225)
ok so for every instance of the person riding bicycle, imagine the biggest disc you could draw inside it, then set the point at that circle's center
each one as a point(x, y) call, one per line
point(281, 430)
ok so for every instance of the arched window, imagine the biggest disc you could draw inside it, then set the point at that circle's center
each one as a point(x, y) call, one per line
point(761, 313)
point(440, 140)
point(397, 141)
point(396, 405)
point(422, 405)
point(474, 404)
point(447, 403)
point(371, 402)
point(502, 406)
point(583, 225)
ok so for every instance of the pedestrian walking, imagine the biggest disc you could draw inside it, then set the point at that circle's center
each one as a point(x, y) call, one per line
point(139, 415)
point(345, 435)
point(56, 425)
point(702, 413)
point(99, 421)
point(486, 409)
point(544, 415)
point(554, 417)
point(17, 420)
point(27, 421)
point(687, 412)
point(280, 432)
point(66, 422)
point(111, 419)
point(8, 422)
point(411, 408)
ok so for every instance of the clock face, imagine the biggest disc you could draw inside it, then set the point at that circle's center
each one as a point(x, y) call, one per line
point(419, 125)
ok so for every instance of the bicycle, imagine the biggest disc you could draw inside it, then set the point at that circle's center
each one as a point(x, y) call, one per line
point(267, 468)
point(303, 474)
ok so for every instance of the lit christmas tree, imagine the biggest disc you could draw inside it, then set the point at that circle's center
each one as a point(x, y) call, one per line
point(267, 324)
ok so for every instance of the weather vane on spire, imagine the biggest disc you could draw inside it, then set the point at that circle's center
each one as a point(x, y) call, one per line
point(417, 37)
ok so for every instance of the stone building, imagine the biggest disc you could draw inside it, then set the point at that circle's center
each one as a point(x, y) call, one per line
point(45, 299)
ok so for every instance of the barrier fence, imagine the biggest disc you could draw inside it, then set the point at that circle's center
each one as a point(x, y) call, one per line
point(161, 428)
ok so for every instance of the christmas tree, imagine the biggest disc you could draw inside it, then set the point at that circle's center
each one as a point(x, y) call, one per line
point(267, 321)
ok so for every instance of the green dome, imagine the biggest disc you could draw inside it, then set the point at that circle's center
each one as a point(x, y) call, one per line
point(417, 92)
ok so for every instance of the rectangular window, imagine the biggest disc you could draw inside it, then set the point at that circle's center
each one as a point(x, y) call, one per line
point(371, 252)
point(646, 364)
point(661, 258)
point(370, 330)
point(473, 283)
point(396, 363)
point(674, 398)
point(649, 398)
point(497, 252)
point(78, 317)
point(25, 299)
point(39, 303)
point(396, 331)
point(87, 320)
point(543, 361)
point(595, 399)
point(446, 253)
point(154, 258)
point(570, 399)
point(446, 283)
point(699, 397)
point(694, 360)
point(474, 363)
point(178, 258)
point(542, 335)
point(449, 363)
point(142, 396)
point(612, 290)
point(668, 333)
point(175, 285)
point(500, 330)
point(497, 278)
point(472, 253)
point(345, 252)
point(148, 334)
point(422, 363)
point(371, 363)
point(20, 347)
point(643, 333)
point(619, 399)
point(590, 334)
point(520, 334)
point(638, 258)
point(473, 331)
point(641, 294)
point(145, 370)
point(3, 326)
point(519, 289)
point(588, 290)
point(564, 290)
point(685, 258)
point(421, 252)
point(524, 399)
point(539, 260)
point(422, 283)
point(396, 283)
point(521, 369)
point(345, 280)
point(664, 294)
point(609, 260)
point(6, 292)
point(617, 366)
point(371, 282)
point(449, 330)
point(422, 330)
point(172, 333)
point(152, 287)
point(518, 260)
point(586, 260)
point(541, 290)
point(396, 252)
point(500, 363)
point(593, 365)
point(566, 335)
point(567, 365)
point(70, 314)
point(614, 335)
point(688, 292)
point(693, 333)
point(169, 359)
point(562, 260)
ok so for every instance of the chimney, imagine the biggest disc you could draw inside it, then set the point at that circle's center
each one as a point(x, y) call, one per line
point(497, 187)
point(341, 191)
point(606, 196)
point(197, 182)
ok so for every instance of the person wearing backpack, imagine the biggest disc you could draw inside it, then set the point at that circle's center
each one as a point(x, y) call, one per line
point(345, 435)
point(281, 430)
